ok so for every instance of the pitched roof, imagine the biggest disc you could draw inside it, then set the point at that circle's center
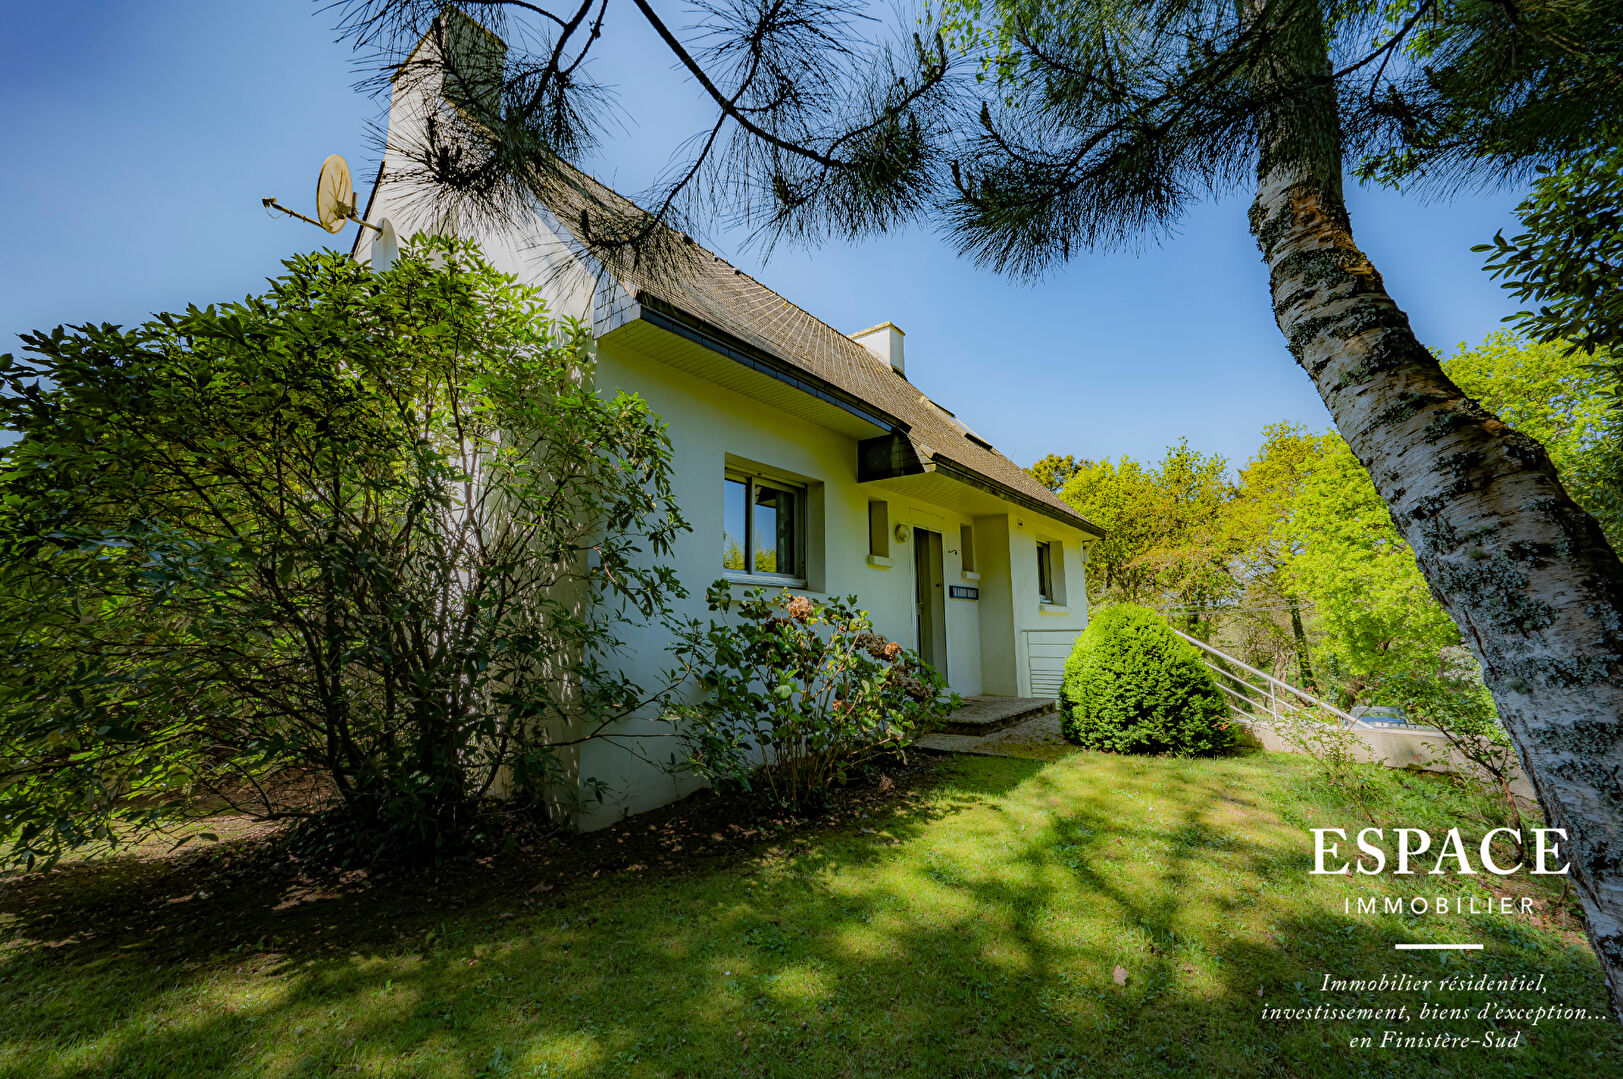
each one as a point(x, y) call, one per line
point(705, 286)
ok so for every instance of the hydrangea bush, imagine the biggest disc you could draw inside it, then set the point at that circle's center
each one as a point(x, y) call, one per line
point(799, 691)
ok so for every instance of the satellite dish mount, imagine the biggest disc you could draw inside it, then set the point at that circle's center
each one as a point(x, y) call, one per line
point(335, 199)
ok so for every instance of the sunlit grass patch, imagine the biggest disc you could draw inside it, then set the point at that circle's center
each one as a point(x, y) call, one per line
point(976, 931)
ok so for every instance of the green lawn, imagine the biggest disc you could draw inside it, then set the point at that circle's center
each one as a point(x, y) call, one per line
point(969, 928)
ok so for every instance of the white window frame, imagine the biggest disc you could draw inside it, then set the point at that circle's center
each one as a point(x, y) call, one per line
point(797, 491)
point(1051, 563)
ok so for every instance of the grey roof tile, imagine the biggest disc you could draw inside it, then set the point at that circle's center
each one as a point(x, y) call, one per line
point(704, 285)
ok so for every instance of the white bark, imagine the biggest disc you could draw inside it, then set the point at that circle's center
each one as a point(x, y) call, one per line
point(1525, 573)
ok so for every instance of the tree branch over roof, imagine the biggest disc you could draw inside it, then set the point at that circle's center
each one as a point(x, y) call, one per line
point(814, 124)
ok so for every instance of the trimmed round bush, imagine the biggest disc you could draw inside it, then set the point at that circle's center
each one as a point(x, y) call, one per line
point(1132, 686)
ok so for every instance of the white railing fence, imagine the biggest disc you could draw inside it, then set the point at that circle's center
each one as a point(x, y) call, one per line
point(1288, 719)
point(1258, 697)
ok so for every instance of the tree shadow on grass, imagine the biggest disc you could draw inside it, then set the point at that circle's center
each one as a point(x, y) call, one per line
point(974, 933)
point(254, 895)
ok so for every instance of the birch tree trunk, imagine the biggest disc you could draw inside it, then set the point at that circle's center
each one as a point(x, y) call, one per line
point(1525, 573)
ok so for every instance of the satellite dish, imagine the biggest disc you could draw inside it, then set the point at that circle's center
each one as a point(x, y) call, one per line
point(335, 202)
point(335, 194)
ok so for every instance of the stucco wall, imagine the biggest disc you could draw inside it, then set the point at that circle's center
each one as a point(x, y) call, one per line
point(1027, 612)
point(711, 426)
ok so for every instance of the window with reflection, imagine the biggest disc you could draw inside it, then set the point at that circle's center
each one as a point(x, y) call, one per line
point(734, 530)
point(761, 527)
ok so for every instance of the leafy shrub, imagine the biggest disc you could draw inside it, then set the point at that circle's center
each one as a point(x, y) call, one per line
point(1131, 686)
point(350, 552)
point(799, 697)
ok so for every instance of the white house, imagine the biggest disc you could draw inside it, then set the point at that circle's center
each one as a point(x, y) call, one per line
point(805, 458)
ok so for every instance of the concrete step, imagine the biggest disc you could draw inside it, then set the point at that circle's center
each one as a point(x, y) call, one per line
point(983, 715)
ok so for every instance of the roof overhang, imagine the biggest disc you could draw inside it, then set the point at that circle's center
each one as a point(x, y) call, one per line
point(900, 464)
point(662, 331)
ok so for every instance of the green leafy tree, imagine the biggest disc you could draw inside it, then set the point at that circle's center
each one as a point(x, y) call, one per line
point(1386, 640)
point(1562, 398)
point(1254, 522)
point(1055, 470)
point(1311, 528)
point(1569, 260)
point(1119, 496)
point(354, 551)
point(1164, 541)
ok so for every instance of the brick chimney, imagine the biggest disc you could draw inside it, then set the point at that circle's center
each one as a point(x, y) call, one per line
point(884, 341)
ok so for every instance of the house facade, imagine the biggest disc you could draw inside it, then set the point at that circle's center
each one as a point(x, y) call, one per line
point(804, 458)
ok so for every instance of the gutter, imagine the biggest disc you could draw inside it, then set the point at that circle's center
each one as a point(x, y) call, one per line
point(1019, 498)
point(672, 319)
point(895, 455)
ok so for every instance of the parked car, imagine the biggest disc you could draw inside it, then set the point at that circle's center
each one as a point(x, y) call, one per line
point(1382, 715)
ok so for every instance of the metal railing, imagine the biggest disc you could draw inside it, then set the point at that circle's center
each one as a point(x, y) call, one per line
point(1262, 698)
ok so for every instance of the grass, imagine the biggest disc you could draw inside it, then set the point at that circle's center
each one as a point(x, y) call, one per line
point(970, 927)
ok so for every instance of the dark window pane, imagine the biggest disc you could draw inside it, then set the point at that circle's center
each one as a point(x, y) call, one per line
point(733, 536)
point(789, 533)
point(775, 531)
point(1045, 573)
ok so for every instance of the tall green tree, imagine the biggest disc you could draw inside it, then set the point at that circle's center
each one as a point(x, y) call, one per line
point(1381, 624)
point(1055, 470)
point(351, 552)
point(1109, 120)
point(1562, 397)
point(1121, 497)
point(1164, 543)
point(1254, 528)
point(1384, 640)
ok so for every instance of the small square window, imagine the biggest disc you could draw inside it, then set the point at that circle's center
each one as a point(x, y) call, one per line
point(762, 527)
point(879, 529)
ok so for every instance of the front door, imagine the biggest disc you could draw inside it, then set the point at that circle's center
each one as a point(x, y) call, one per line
point(930, 592)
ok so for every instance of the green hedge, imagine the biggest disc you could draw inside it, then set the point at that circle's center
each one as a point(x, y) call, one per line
point(1132, 686)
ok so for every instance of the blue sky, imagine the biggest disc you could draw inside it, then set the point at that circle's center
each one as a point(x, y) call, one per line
point(138, 140)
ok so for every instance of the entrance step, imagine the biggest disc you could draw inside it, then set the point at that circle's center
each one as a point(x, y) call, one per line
point(983, 715)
